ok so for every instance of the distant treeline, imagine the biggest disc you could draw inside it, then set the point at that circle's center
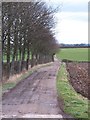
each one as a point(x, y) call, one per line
point(74, 45)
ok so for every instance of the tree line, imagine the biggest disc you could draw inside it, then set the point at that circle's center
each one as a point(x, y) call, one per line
point(82, 45)
point(27, 35)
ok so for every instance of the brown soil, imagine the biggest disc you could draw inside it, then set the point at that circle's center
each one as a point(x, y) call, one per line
point(35, 95)
point(78, 74)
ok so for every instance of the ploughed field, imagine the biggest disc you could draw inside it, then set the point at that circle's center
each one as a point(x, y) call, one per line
point(78, 71)
point(78, 76)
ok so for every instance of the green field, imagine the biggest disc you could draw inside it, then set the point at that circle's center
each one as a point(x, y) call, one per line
point(5, 57)
point(75, 54)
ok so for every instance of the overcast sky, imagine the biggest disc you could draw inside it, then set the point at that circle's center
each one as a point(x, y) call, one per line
point(72, 21)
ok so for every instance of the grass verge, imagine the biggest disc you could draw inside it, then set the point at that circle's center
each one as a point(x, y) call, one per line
point(74, 104)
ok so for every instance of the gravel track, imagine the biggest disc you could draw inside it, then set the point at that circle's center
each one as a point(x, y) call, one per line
point(35, 95)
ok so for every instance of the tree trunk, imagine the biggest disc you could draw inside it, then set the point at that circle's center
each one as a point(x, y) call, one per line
point(28, 57)
point(32, 60)
point(53, 58)
point(8, 60)
point(23, 56)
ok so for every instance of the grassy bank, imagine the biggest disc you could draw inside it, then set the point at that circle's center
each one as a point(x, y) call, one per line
point(76, 54)
point(74, 104)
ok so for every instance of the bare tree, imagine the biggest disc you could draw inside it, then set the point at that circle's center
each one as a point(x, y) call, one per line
point(27, 34)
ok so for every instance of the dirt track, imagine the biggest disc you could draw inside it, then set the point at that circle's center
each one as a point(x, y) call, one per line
point(35, 95)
